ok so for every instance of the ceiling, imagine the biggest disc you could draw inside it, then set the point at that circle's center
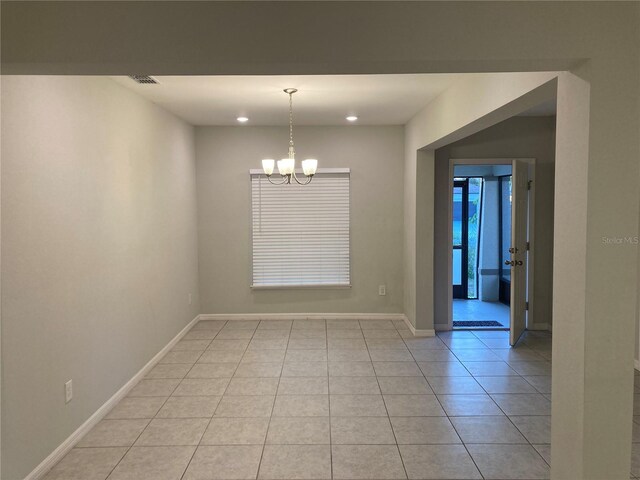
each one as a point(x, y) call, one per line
point(321, 100)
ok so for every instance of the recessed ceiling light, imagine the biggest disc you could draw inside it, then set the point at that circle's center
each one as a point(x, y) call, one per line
point(243, 119)
point(352, 118)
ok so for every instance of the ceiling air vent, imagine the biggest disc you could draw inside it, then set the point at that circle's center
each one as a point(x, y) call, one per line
point(144, 79)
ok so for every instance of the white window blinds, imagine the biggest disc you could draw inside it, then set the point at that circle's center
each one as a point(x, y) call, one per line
point(300, 234)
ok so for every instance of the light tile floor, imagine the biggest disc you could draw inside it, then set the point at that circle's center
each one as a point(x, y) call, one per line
point(315, 399)
point(479, 310)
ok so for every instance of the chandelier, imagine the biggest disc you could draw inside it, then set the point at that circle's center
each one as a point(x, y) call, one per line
point(287, 166)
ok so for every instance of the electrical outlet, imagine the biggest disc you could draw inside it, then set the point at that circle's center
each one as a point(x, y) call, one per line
point(190, 299)
point(68, 391)
point(382, 289)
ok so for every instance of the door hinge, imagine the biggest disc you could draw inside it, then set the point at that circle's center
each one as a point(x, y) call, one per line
point(526, 306)
point(528, 245)
point(529, 184)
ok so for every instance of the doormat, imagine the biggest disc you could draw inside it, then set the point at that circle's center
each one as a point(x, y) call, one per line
point(476, 323)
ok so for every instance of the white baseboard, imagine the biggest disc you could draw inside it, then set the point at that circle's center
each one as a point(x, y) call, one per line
point(418, 332)
point(302, 316)
point(49, 462)
point(311, 316)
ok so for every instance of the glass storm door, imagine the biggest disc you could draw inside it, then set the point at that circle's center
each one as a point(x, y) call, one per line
point(460, 238)
point(467, 205)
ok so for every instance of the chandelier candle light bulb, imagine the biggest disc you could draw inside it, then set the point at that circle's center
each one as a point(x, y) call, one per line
point(287, 166)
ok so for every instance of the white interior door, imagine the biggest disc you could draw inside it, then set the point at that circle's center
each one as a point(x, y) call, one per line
point(518, 250)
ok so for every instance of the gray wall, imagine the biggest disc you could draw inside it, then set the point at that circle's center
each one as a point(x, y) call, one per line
point(99, 251)
point(524, 137)
point(375, 157)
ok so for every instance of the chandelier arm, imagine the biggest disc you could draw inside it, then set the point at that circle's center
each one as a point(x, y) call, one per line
point(308, 180)
point(284, 180)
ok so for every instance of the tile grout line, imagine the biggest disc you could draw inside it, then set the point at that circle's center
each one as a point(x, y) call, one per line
point(316, 444)
point(217, 406)
point(151, 419)
point(516, 427)
point(273, 406)
point(393, 432)
point(511, 421)
point(454, 427)
point(214, 411)
point(447, 414)
point(326, 341)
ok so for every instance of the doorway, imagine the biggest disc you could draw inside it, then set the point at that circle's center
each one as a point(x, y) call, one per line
point(490, 252)
point(481, 221)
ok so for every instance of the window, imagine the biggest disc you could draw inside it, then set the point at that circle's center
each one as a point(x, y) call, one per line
point(300, 234)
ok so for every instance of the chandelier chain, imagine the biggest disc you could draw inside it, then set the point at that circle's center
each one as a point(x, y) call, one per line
point(290, 124)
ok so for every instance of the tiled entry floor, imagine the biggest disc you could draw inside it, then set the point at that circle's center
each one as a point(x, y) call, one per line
point(479, 310)
point(315, 399)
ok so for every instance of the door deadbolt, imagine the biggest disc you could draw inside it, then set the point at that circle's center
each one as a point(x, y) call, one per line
point(513, 263)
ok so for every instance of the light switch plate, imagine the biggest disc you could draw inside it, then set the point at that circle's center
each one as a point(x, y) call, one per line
point(68, 391)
